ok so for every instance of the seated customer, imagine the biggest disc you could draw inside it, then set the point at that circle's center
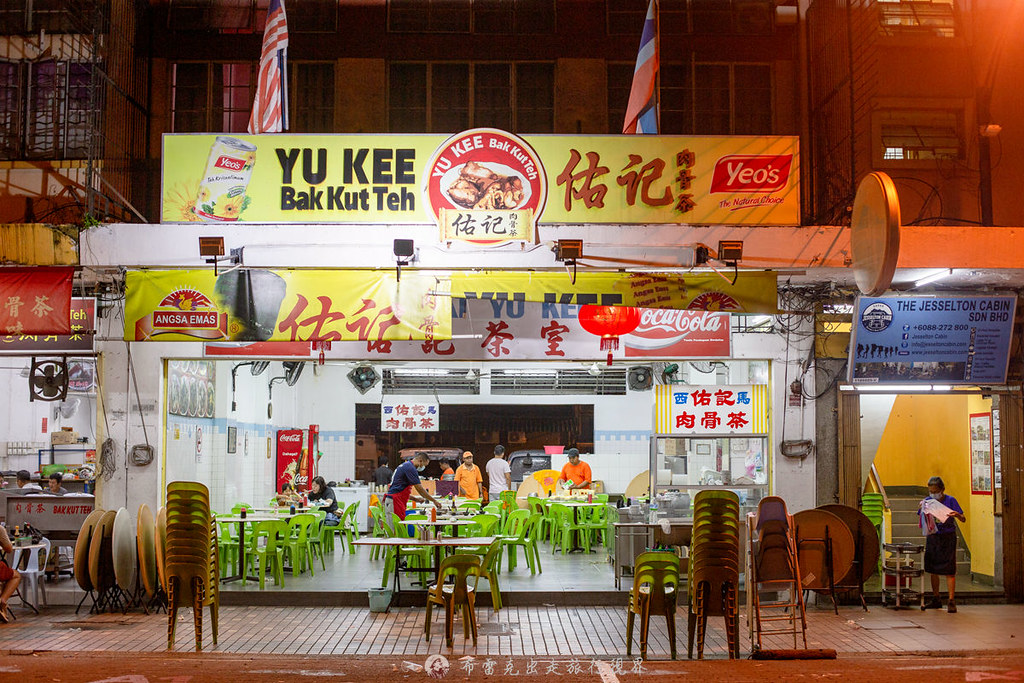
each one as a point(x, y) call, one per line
point(25, 482)
point(288, 496)
point(328, 501)
point(447, 474)
point(8, 576)
point(55, 488)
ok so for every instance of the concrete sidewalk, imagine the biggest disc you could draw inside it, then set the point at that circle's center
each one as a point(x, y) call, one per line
point(586, 632)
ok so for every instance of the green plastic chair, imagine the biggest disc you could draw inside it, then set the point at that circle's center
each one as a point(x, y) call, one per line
point(376, 531)
point(453, 595)
point(484, 524)
point(514, 536)
point(268, 556)
point(564, 525)
point(296, 544)
point(227, 547)
point(417, 557)
point(489, 570)
point(316, 535)
point(611, 517)
point(466, 504)
point(349, 526)
point(535, 506)
point(655, 591)
point(509, 504)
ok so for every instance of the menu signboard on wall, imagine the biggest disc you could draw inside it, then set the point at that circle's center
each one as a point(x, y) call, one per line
point(981, 453)
point(931, 339)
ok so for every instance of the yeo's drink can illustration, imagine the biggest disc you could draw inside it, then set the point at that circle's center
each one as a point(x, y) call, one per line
point(222, 194)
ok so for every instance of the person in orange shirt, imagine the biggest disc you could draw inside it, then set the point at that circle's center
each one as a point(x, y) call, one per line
point(469, 477)
point(576, 472)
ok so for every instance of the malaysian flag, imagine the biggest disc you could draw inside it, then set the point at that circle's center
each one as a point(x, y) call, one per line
point(642, 110)
point(270, 107)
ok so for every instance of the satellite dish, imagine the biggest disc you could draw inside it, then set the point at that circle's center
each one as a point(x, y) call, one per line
point(48, 380)
point(640, 378)
point(292, 370)
point(259, 367)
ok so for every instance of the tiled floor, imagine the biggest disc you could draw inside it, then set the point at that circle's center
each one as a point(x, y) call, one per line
point(539, 631)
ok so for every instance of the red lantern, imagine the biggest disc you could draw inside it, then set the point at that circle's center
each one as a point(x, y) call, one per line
point(609, 323)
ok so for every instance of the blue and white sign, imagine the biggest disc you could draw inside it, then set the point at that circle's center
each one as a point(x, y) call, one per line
point(931, 339)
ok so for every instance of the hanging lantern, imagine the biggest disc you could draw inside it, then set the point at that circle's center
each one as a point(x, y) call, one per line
point(609, 323)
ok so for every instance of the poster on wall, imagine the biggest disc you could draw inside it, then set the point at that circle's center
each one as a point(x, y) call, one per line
point(191, 388)
point(293, 465)
point(981, 453)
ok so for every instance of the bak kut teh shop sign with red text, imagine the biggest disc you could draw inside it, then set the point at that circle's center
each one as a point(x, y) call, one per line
point(476, 183)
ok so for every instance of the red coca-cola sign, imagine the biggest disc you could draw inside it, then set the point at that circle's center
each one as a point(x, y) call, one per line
point(751, 173)
point(680, 334)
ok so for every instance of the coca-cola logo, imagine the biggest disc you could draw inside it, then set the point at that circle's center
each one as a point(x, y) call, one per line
point(751, 173)
point(230, 163)
point(291, 437)
point(676, 322)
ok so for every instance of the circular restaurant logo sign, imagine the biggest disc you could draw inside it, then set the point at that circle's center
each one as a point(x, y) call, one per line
point(876, 317)
point(485, 169)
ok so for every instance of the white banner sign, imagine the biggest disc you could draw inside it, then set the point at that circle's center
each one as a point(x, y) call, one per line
point(711, 410)
point(408, 414)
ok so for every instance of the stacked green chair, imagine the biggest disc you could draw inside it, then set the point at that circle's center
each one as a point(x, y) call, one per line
point(655, 589)
point(714, 567)
point(611, 517)
point(873, 507)
point(493, 508)
point(227, 544)
point(191, 558)
point(265, 553)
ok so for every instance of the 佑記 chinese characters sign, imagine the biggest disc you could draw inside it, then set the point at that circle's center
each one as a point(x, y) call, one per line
point(36, 300)
point(399, 414)
point(283, 305)
point(712, 410)
point(394, 179)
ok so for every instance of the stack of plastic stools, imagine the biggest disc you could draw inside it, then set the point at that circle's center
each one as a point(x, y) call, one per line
point(191, 557)
point(714, 568)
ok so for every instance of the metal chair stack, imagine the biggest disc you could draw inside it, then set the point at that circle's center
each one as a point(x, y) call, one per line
point(714, 567)
point(192, 569)
point(773, 566)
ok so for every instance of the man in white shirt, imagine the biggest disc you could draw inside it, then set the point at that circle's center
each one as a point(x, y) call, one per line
point(25, 481)
point(499, 474)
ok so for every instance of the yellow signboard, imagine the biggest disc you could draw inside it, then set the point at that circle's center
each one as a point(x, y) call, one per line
point(284, 305)
point(389, 179)
point(487, 227)
point(752, 293)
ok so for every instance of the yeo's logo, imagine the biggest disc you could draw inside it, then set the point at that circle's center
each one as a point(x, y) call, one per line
point(230, 163)
point(751, 173)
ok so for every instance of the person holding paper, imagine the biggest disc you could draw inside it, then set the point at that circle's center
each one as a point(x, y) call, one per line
point(940, 545)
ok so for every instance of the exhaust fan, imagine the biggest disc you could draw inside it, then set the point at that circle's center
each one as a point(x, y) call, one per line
point(48, 380)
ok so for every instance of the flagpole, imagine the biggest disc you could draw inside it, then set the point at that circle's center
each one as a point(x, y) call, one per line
point(657, 76)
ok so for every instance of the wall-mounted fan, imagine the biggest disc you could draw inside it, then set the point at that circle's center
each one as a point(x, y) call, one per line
point(363, 378)
point(48, 380)
point(67, 409)
point(640, 378)
point(259, 367)
point(292, 370)
point(704, 366)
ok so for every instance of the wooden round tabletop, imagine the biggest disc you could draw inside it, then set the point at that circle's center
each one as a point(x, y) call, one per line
point(861, 526)
point(811, 529)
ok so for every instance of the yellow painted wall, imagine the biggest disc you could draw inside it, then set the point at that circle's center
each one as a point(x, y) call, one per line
point(926, 436)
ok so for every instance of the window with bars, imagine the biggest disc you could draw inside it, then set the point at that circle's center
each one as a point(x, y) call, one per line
point(46, 109)
point(211, 97)
point(472, 16)
point(921, 135)
point(51, 16)
point(702, 98)
point(449, 97)
point(924, 17)
point(311, 84)
point(685, 17)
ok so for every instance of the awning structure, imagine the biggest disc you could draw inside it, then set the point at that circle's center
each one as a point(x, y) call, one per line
point(360, 305)
point(36, 300)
